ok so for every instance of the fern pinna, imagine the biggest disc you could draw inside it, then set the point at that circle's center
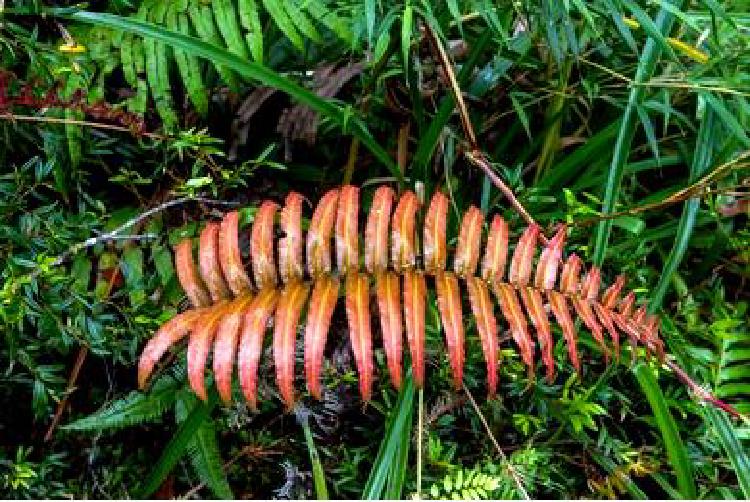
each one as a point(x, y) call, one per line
point(231, 312)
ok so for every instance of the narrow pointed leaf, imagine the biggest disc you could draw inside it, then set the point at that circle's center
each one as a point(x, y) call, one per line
point(570, 277)
point(549, 260)
point(584, 311)
point(169, 334)
point(560, 310)
point(254, 325)
point(199, 345)
point(403, 253)
point(376, 231)
point(449, 305)
point(391, 323)
point(291, 267)
point(532, 300)
point(496, 253)
point(523, 257)
point(612, 294)
point(435, 228)
point(322, 303)
point(187, 274)
point(469, 243)
point(288, 310)
point(513, 313)
point(225, 347)
point(261, 246)
point(319, 235)
point(415, 295)
point(358, 316)
point(208, 259)
point(347, 235)
point(481, 307)
point(230, 257)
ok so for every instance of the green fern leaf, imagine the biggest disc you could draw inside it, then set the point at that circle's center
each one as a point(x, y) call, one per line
point(203, 449)
point(250, 20)
point(178, 445)
point(279, 15)
point(733, 380)
point(136, 407)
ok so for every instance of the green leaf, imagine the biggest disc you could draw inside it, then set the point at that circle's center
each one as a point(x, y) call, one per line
point(177, 446)
point(389, 467)
point(645, 70)
point(732, 446)
point(676, 451)
point(135, 408)
point(203, 449)
point(702, 158)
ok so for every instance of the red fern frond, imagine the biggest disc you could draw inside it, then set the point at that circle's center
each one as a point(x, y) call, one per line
point(230, 312)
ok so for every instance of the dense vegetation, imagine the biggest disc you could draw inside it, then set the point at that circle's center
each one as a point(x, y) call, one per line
point(127, 124)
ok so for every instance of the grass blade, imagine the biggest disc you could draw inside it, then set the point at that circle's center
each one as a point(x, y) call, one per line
point(646, 68)
point(702, 158)
point(730, 442)
point(389, 468)
point(177, 446)
point(676, 451)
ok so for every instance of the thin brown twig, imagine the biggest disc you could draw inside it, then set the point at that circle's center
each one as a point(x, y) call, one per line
point(72, 379)
point(474, 154)
point(85, 123)
point(511, 470)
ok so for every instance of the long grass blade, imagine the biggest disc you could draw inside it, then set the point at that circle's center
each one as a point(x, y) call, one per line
point(676, 451)
point(646, 68)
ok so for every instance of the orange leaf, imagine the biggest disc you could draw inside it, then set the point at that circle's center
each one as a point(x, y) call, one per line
point(254, 325)
point(627, 304)
point(559, 307)
point(288, 310)
point(469, 243)
point(546, 269)
point(322, 303)
point(532, 300)
point(261, 246)
point(415, 293)
point(569, 279)
point(389, 305)
point(519, 329)
point(496, 254)
point(435, 222)
point(612, 294)
point(523, 257)
point(319, 235)
point(225, 347)
point(376, 231)
point(170, 333)
point(208, 259)
point(481, 307)
point(199, 344)
point(583, 309)
point(347, 235)
point(291, 266)
point(605, 317)
point(358, 315)
point(449, 305)
point(230, 257)
point(188, 276)
point(590, 285)
point(403, 254)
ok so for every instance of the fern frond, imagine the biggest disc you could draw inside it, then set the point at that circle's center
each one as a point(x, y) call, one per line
point(203, 450)
point(231, 317)
point(135, 408)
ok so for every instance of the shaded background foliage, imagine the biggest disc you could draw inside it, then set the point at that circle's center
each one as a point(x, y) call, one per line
point(583, 107)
